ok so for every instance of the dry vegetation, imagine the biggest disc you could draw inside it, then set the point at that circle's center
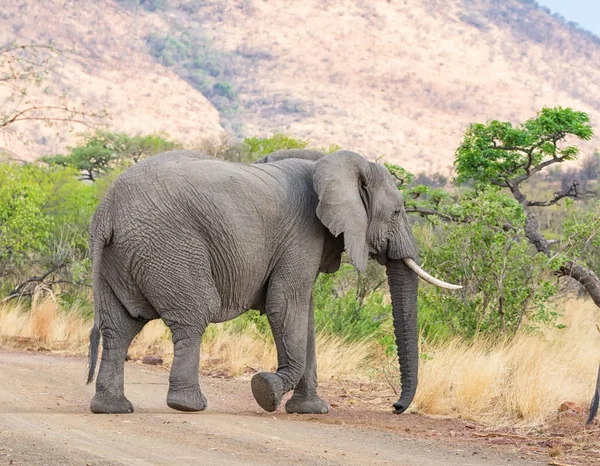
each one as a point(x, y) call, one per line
point(225, 349)
point(518, 383)
point(399, 78)
point(521, 382)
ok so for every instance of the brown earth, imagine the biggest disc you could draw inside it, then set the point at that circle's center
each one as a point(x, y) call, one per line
point(44, 419)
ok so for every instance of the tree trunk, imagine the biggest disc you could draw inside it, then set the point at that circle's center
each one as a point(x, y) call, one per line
point(578, 272)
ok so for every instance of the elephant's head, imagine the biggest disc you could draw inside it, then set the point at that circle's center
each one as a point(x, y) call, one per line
point(360, 200)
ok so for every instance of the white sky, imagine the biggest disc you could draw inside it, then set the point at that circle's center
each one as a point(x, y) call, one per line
point(584, 12)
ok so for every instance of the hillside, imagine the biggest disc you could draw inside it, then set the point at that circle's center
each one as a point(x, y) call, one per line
point(402, 78)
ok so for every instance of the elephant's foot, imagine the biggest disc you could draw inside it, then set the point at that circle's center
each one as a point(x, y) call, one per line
point(108, 403)
point(186, 400)
point(306, 405)
point(267, 389)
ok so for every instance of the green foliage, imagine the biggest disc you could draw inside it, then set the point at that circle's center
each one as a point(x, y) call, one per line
point(103, 151)
point(498, 151)
point(403, 177)
point(505, 282)
point(261, 146)
point(352, 305)
point(93, 159)
point(45, 224)
point(580, 238)
point(250, 149)
point(24, 227)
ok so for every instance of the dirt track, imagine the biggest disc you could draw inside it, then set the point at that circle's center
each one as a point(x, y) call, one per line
point(44, 419)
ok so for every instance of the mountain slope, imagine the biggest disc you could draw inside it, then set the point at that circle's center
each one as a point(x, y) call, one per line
point(102, 64)
point(400, 78)
point(404, 78)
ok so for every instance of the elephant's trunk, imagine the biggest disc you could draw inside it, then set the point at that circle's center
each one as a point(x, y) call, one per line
point(403, 284)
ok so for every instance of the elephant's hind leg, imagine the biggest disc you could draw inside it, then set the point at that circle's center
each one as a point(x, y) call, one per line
point(118, 330)
point(185, 302)
point(184, 386)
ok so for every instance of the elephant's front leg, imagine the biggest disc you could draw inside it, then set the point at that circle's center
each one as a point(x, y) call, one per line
point(288, 312)
point(305, 399)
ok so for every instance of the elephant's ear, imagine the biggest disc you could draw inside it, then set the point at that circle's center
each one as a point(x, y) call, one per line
point(338, 180)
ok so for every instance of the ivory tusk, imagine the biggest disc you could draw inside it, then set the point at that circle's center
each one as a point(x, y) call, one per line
point(412, 265)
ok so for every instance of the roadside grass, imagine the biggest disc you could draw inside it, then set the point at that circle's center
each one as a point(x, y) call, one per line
point(514, 383)
point(227, 348)
point(522, 382)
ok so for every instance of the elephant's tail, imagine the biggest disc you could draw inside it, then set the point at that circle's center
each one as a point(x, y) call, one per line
point(100, 236)
point(595, 401)
point(93, 352)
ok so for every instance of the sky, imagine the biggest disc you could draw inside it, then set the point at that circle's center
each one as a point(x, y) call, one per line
point(584, 12)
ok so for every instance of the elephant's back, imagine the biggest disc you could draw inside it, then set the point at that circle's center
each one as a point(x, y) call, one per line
point(181, 190)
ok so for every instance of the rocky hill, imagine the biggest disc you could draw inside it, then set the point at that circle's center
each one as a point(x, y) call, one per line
point(400, 78)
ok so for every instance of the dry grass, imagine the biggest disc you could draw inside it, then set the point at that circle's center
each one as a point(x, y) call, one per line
point(522, 382)
point(224, 348)
point(227, 350)
point(45, 325)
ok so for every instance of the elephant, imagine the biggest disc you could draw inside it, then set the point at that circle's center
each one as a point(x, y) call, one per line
point(195, 240)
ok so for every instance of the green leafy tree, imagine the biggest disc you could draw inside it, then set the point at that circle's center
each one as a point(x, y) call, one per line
point(507, 156)
point(51, 234)
point(505, 281)
point(24, 227)
point(103, 151)
point(351, 304)
point(485, 234)
point(261, 146)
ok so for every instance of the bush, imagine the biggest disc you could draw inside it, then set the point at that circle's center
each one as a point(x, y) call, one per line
point(24, 227)
point(350, 304)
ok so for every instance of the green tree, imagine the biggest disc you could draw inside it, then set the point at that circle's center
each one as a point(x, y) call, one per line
point(261, 146)
point(484, 248)
point(485, 235)
point(250, 149)
point(50, 223)
point(507, 156)
point(24, 227)
point(103, 150)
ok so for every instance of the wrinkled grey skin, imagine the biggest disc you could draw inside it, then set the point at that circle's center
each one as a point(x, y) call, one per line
point(195, 240)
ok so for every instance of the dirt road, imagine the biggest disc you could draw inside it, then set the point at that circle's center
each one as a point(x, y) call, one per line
point(44, 419)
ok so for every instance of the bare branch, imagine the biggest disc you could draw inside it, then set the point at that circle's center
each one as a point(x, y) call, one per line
point(572, 192)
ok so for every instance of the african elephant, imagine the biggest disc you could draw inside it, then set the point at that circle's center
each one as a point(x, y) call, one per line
point(193, 240)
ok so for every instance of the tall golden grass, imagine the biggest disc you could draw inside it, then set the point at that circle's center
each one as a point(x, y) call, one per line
point(518, 382)
point(224, 348)
point(43, 325)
